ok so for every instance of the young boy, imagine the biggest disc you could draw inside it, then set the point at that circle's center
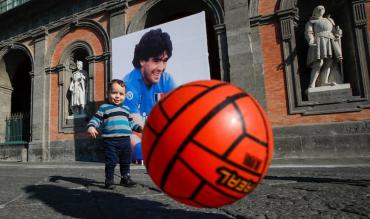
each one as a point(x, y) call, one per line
point(116, 124)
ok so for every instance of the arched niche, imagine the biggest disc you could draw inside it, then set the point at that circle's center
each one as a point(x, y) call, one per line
point(351, 17)
point(62, 56)
point(76, 51)
point(100, 33)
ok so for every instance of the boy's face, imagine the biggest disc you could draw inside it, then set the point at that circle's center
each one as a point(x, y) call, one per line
point(153, 68)
point(116, 94)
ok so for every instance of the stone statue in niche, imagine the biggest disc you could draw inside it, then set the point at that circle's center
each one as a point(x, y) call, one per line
point(78, 90)
point(325, 53)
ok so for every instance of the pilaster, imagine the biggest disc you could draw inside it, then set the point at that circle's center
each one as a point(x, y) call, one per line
point(39, 145)
point(243, 71)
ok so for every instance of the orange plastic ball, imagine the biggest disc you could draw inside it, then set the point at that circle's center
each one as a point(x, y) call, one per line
point(207, 144)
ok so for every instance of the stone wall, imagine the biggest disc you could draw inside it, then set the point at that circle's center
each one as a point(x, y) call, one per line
point(334, 140)
point(13, 152)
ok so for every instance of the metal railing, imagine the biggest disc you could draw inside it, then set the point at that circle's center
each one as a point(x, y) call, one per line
point(6, 5)
point(17, 129)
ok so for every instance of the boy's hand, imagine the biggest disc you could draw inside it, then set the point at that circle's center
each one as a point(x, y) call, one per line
point(92, 132)
point(140, 129)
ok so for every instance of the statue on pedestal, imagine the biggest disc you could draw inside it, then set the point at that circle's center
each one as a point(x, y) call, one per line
point(325, 52)
point(78, 90)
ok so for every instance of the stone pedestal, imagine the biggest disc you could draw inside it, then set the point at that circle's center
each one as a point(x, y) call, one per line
point(338, 92)
point(77, 116)
point(76, 120)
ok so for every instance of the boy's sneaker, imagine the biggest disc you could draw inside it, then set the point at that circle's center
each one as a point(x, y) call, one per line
point(109, 184)
point(127, 181)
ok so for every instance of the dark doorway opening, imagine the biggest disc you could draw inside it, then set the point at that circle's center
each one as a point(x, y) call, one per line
point(18, 67)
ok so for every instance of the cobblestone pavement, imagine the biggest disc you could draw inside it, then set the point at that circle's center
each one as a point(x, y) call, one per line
point(75, 190)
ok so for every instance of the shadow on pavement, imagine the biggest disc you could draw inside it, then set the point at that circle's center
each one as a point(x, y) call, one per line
point(76, 180)
point(351, 182)
point(89, 182)
point(84, 203)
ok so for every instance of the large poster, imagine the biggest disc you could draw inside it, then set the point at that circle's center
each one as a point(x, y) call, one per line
point(155, 60)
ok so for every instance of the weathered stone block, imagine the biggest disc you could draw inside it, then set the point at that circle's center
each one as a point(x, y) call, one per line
point(12, 152)
point(339, 92)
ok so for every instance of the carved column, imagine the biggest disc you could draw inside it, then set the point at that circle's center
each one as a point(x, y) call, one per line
point(117, 19)
point(237, 31)
point(362, 44)
point(32, 77)
point(287, 24)
point(243, 72)
point(117, 28)
point(62, 114)
point(106, 58)
point(90, 82)
point(223, 55)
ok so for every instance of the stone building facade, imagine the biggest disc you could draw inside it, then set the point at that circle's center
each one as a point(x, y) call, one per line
point(258, 45)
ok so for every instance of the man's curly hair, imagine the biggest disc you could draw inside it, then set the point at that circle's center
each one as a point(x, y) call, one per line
point(152, 44)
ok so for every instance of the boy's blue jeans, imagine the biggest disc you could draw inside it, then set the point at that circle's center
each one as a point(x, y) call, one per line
point(117, 149)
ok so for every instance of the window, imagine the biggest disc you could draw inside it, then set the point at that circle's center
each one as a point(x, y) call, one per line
point(6, 5)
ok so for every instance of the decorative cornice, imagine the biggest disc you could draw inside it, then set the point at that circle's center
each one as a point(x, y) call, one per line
point(6, 89)
point(219, 28)
point(10, 45)
point(6, 45)
point(118, 8)
point(262, 20)
point(55, 69)
point(103, 57)
point(288, 13)
point(39, 32)
point(291, 13)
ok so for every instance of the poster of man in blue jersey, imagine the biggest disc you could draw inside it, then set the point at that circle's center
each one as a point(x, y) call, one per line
point(148, 81)
point(163, 57)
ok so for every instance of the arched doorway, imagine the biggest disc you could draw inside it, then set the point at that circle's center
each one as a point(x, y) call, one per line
point(15, 86)
point(156, 13)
